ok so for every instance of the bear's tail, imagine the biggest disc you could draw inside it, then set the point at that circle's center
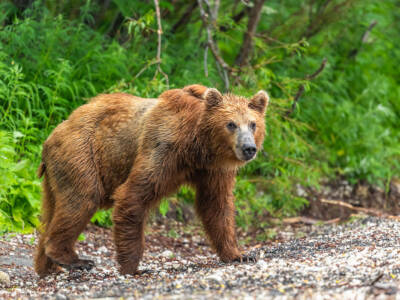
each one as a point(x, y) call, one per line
point(41, 169)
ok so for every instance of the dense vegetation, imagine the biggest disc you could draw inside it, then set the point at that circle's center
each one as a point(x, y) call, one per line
point(54, 55)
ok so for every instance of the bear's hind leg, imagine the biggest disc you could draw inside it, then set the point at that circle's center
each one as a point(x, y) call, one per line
point(64, 229)
point(43, 264)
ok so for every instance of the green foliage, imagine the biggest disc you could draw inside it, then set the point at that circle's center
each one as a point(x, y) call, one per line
point(20, 188)
point(81, 237)
point(102, 218)
point(55, 55)
point(164, 207)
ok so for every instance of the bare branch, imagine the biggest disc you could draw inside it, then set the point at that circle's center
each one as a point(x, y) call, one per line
point(209, 20)
point(301, 89)
point(159, 33)
point(296, 98)
point(365, 36)
point(368, 211)
point(247, 46)
point(364, 39)
point(205, 61)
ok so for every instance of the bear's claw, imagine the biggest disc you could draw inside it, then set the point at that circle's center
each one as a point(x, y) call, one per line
point(81, 264)
point(247, 258)
point(144, 272)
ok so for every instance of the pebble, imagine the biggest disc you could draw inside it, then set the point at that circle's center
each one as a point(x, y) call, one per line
point(167, 254)
point(176, 265)
point(4, 278)
point(102, 249)
point(60, 297)
point(215, 277)
point(262, 264)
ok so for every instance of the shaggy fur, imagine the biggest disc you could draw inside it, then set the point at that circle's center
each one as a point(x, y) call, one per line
point(129, 152)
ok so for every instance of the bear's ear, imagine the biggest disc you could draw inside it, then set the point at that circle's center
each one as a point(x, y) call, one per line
point(259, 102)
point(213, 97)
point(195, 90)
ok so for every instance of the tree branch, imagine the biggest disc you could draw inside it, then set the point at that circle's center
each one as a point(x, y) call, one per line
point(205, 60)
point(319, 70)
point(325, 16)
point(353, 53)
point(369, 29)
point(208, 20)
point(368, 211)
point(301, 89)
point(247, 46)
point(159, 33)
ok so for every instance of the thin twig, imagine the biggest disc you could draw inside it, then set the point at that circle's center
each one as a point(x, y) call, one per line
point(376, 279)
point(159, 33)
point(301, 89)
point(309, 221)
point(205, 61)
point(316, 73)
point(299, 93)
point(145, 68)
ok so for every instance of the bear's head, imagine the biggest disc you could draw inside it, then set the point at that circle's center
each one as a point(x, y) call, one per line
point(235, 124)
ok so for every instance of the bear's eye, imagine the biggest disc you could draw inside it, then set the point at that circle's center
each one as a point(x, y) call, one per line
point(253, 126)
point(231, 126)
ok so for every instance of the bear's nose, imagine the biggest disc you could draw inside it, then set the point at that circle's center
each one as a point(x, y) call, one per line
point(249, 150)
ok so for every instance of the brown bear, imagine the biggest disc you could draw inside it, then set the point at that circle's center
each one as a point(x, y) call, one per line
point(128, 152)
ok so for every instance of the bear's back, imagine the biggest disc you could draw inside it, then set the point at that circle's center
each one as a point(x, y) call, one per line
point(105, 130)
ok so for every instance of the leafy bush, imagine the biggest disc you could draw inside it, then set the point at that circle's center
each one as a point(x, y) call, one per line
point(20, 188)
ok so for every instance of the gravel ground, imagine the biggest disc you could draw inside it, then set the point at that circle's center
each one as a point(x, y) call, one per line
point(355, 260)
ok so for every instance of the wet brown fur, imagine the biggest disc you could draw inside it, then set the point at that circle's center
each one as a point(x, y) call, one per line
point(128, 152)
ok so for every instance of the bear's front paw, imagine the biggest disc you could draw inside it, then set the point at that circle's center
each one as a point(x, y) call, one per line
point(79, 264)
point(129, 270)
point(246, 258)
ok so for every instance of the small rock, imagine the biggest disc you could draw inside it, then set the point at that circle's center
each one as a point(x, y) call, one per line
point(167, 254)
point(262, 264)
point(215, 277)
point(61, 297)
point(83, 287)
point(301, 192)
point(102, 249)
point(175, 265)
point(4, 278)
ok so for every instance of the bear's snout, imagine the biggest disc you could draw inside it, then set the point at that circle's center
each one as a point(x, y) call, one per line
point(249, 150)
point(246, 147)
